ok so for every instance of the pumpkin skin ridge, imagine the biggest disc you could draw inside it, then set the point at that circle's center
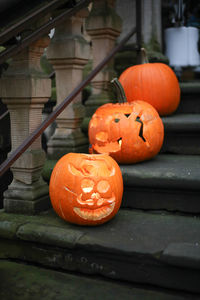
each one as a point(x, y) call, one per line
point(71, 216)
point(162, 81)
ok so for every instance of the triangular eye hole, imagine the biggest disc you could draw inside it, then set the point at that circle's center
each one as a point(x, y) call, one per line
point(127, 115)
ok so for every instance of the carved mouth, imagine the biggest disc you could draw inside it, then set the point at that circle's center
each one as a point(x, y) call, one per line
point(94, 214)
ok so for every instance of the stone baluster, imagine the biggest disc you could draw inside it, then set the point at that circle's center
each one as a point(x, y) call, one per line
point(24, 89)
point(103, 26)
point(68, 52)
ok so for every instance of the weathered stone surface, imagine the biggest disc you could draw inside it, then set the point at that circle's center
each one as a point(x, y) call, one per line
point(68, 52)
point(103, 25)
point(182, 123)
point(134, 246)
point(182, 134)
point(182, 253)
point(190, 98)
point(168, 182)
point(30, 282)
point(30, 90)
point(161, 198)
point(164, 171)
point(50, 235)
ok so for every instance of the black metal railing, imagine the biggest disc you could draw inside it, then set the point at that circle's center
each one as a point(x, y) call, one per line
point(38, 33)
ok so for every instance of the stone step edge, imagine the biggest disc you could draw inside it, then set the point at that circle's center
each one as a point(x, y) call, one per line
point(171, 171)
point(37, 284)
point(181, 254)
point(177, 122)
point(192, 87)
point(182, 123)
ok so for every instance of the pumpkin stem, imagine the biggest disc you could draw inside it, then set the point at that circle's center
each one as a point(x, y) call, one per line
point(121, 97)
point(144, 56)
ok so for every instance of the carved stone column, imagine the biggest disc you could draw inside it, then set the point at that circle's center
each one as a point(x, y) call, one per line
point(24, 89)
point(104, 26)
point(68, 52)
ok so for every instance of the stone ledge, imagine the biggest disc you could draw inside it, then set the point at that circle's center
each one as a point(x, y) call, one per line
point(182, 134)
point(33, 283)
point(183, 254)
point(182, 122)
point(190, 98)
point(170, 182)
point(141, 254)
point(192, 87)
point(164, 171)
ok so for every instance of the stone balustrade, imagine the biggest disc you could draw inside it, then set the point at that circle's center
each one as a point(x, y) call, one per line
point(25, 89)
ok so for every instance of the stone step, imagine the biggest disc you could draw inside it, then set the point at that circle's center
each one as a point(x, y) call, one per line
point(169, 181)
point(30, 282)
point(162, 250)
point(182, 134)
point(190, 98)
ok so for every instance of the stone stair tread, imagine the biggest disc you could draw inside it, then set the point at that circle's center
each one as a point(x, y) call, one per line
point(182, 122)
point(20, 281)
point(190, 87)
point(135, 246)
point(141, 233)
point(166, 171)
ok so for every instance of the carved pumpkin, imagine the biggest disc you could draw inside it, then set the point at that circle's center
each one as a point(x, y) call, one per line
point(86, 189)
point(155, 83)
point(129, 132)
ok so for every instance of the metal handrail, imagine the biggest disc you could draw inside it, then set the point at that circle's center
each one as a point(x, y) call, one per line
point(16, 28)
point(40, 129)
point(44, 29)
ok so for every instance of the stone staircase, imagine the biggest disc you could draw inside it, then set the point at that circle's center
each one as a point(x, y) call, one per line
point(150, 250)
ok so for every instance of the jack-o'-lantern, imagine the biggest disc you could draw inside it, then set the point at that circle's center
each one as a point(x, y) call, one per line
point(128, 132)
point(155, 83)
point(86, 189)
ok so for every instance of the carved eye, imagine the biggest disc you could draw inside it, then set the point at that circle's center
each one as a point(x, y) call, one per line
point(127, 115)
point(103, 186)
point(87, 185)
point(116, 120)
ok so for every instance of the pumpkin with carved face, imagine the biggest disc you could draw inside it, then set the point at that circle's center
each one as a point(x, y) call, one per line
point(128, 132)
point(86, 189)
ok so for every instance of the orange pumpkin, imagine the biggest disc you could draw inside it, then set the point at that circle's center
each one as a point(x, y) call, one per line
point(154, 83)
point(86, 189)
point(129, 132)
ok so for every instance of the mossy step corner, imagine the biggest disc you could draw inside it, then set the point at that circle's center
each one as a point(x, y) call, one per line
point(135, 246)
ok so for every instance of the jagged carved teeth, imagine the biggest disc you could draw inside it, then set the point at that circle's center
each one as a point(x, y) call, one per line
point(94, 214)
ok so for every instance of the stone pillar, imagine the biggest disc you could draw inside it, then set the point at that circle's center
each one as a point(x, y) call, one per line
point(68, 52)
point(151, 15)
point(152, 24)
point(103, 26)
point(24, 89)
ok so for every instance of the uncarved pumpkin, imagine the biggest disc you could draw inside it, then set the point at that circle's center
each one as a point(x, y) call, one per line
point(86, 189)
point(155, 83)
point(128, 132)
